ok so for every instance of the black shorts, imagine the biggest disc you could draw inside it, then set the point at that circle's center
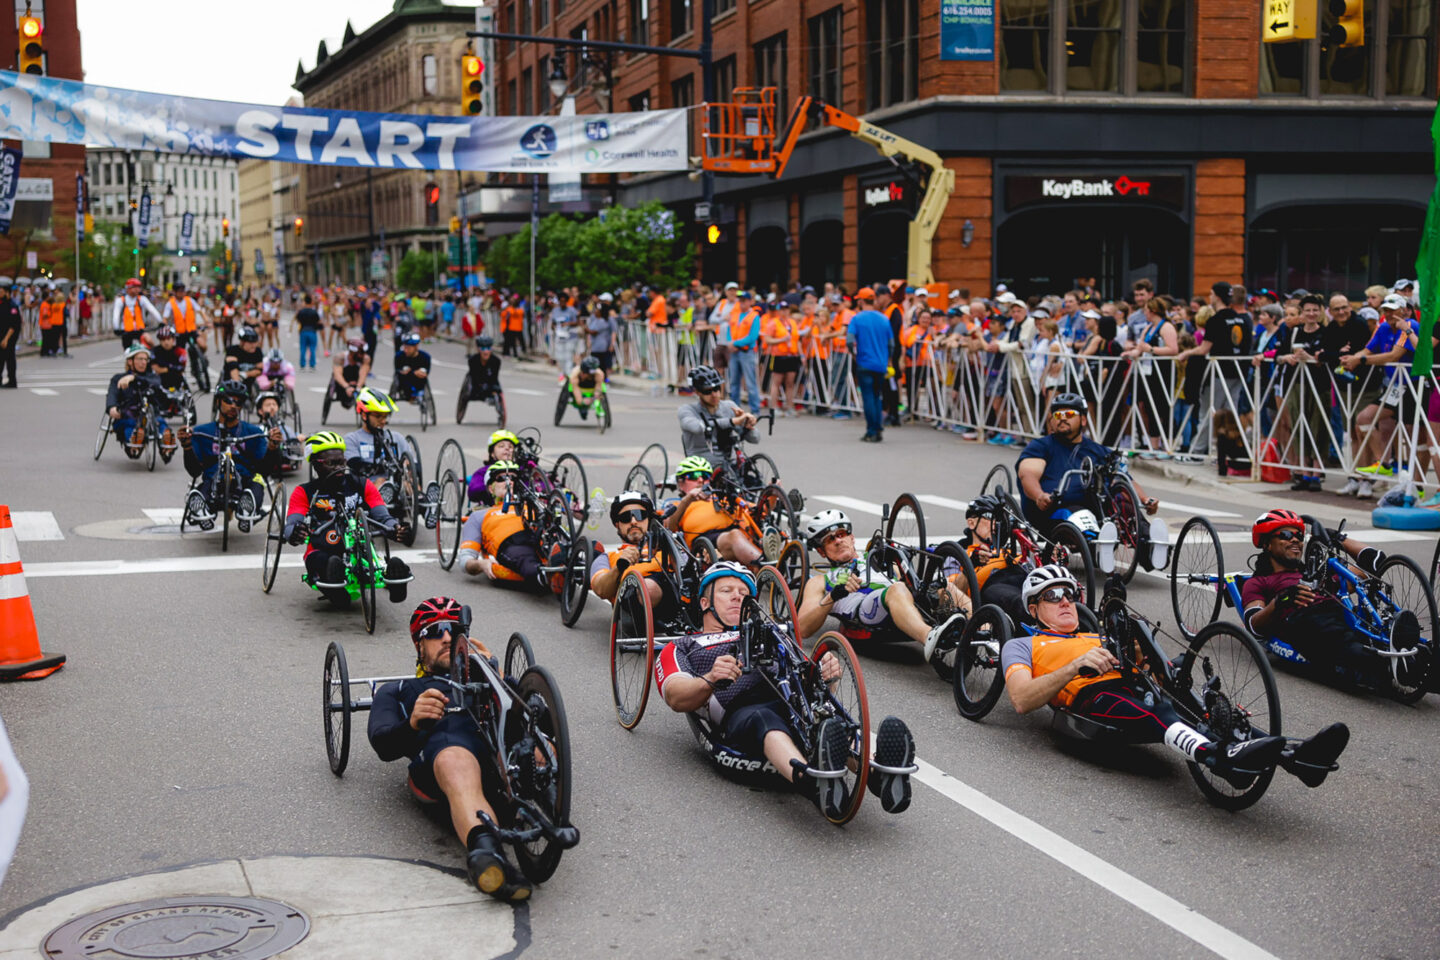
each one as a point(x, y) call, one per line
point(606, 358)
point(454, 730)
point(714, 536)
point(745, 728)
point(784, 364)
point(1407, 408)
point(271, 322)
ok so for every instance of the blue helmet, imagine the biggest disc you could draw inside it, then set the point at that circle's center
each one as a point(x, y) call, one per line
point(726, 568)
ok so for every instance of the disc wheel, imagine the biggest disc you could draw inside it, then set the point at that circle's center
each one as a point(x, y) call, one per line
point(539, 858)
point(774, 512)
point(102, 435)
point(462, 401)
point(519, 656)
point(568, 475)
point(632, 650)
point(337, 708)
point(450, 519)
point(274, 538)
point(640, 480)
point(846, 695)
point(1226, 689)
point(999, 476)
point(906, 523)
point(978, 679)
point(1125, 514)
point(794, 565)
point(577, 580)
point(1197, 577)
point(1069, 548)
point(1407, 588)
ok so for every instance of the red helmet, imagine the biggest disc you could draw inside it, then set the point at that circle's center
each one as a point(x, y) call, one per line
point(132, 282)
point(434, 610)
point(1275, 520)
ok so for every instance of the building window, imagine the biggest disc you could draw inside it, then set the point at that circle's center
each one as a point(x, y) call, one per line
point(1160, 46)
point(106, 168)
point(542, 12)
point(429, 81)
point(680, 12)
point(640, 102)
point(1092, 46)
point(723, 6)
point(513, 97)
point(559, 7)
point(527, 91)
point(770, 70)
point(1107, 46)
point(823, 66)
point(892, 40)
point(1396, 60)
point(724, 77)
point(525, 16)
point(542, 96)
point(682, 94)
point(639, 21)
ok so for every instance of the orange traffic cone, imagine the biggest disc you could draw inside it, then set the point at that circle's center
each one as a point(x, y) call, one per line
point(20, 656)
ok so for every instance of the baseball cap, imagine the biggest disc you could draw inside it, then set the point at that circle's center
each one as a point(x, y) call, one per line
point(1001, 288)
point(606, 298)
point(922, 292)
point(1221, 289)
point(955, 294)
point(1040, 312)
point(732, 285)
point(1395, 302)
point(865, 293)
point(1369, 313)
point(1006, 297)
point(1401, 285)
point(1090, 314)
point(744, 294)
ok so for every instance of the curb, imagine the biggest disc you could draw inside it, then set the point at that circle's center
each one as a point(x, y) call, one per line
point(1330, 512)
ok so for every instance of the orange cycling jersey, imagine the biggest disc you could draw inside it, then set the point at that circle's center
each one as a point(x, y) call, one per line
point(643, 567)
point(702, 517)
point(499, 524)
point(1051, 652)
point(997, 562)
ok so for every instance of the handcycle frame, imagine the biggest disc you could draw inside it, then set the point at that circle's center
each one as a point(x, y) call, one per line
point(149, 417)
point(228, 480)
point(424, 398)
point(596, 398)
point(1109, 485)
point(1015, 537)
point(496, 399)
point(534, 799)
point(547, 481)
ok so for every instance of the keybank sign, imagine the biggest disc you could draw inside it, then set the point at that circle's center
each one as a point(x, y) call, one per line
point(1065, 189)
point(1169, 190)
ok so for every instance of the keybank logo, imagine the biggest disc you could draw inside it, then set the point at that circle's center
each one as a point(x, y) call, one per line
point(539, 141)
point(1077, 187)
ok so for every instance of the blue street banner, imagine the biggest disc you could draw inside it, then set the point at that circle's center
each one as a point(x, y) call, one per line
point(56, 110)
point(967, 29)
point(259, 262)
point(142, 220)
point(80, 206)
point(187, 231)
point(9, 183)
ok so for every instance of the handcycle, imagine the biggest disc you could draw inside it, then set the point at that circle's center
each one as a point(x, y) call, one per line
point(495, 397)
point(767, 645)
point(1067, 545)
point(449, 496)
point(148, 416)
point(561, 545)
point(332, 396)
point(403, 487)
point(226, 488)
point(355, 531)
point(521, 720)
point(679, 569)
point(1221, 684)
point(1119, 536)
point(769, 520)
point(596, 399)
point(1393, 612)
point(289, 405)
point(565, 476)
point(422, 396)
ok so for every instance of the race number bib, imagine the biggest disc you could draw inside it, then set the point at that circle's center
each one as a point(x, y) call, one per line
point(1394, 392)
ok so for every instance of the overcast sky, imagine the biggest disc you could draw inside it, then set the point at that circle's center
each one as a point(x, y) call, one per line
point(243, 51)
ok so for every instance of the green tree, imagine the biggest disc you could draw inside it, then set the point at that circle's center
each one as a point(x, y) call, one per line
point(419, 269)
point(107, 257)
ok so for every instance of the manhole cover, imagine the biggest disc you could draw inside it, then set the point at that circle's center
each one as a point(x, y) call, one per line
point(179, 928)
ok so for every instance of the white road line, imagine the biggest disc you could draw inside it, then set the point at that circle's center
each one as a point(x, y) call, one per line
point(111, 360)
point(934, 501)
point(525, 392)
point(43, 392)
point(1134, 891)
point(35, 525)
point(1368, 536)
point(98, 391)
point(1192, 510)
point(850, 503)
point(222, 561)
point(164, 515)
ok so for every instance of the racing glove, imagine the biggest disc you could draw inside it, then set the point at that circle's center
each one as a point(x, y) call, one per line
point(621, 565)
point(1371, 560)
point(299, 534)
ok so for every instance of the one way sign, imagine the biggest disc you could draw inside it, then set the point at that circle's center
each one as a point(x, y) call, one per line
point(1283, 20)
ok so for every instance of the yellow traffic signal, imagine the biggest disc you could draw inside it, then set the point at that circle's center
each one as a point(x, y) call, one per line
point(1349, 28)
point(32, 48)
point(454, 224)
point(299, 226)
point(472, 84)
point(713, 233)
point(225, 226)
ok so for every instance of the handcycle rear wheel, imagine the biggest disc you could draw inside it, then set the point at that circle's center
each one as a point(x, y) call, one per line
point(793, 564)
point(704, 552)
point(428, 415)
point(632, 656)
point(906, 523)
point(656, 459)
point(773, 511)
point(274, 538)
point(1070, 549)
point(602, 415)
point(562, 402)
point(848, 694)
point(152, 439)
point(463, 400)
point(498, 402)
point(759, 471)
point(409, 501)
point(1000, 476)
point(978, 679)
point(325, 404)
point(1244, 703)
point(640, 480)
point(452, 458)
point(577, 580)
point(1408, 589)
point(337, 708)
point(1197, 568)
point(103, 434)
point(1125, 514)
point(449, 518)
point(519, 656)
point(568, 475)
point(539, 858)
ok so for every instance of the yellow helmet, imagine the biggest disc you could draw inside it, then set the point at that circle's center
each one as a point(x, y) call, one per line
point(322, 441)
point(374, 401)
point(500, 435)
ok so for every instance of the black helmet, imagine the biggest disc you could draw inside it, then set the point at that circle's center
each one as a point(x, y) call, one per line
point(232, 388)
point(705, 377)
point(984, 505)
point(1069, 401)
point(484, 343)
point(589, 364)
point(631, 498)
point(248, 335)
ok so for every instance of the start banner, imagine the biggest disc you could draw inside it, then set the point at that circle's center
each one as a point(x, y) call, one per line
point(55, 110)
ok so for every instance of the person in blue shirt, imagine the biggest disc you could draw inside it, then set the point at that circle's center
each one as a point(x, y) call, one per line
point(742, 334)
point(256, 455)
point(369, 321)
point(1045, 460)
point(1394, 341)
point(870, 337)
point(447, 314)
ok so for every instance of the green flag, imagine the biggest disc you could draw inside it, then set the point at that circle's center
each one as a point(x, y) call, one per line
point(1427, 265)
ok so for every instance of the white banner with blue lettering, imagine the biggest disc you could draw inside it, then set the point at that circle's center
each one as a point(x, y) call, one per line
point(56, 110)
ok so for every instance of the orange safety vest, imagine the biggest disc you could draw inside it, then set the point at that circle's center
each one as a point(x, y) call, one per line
point(512, 319)
point(47, 315)
point(132, 318)
point(741, 324)
point(779, 325)
point(840, 323)
point(1051, 652)
point(183, 312)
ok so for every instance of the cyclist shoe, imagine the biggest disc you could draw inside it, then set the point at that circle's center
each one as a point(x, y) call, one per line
point(137, 437)
point(246, 511)
point(895, 749)
point(1431, 501)
point(168, 444)
point(832, 749)
point(1377, 470)
point(1352, 486)
point(488, 869)
point(1241, 762)
point(1314, 758)
point(1367, 490)
point(199, 511)
point(933, 640)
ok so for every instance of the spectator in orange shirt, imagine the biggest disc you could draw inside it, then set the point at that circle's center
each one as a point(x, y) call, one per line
point(915, 344)
point(512, 325)
point(840, 314)
point(780, 332)
point(658, 313)
point(815, 348)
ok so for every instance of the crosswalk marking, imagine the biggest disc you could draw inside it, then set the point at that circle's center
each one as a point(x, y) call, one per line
point(937, 501)
point(224, 561)
point(35, 525)
point(1191, 510)
point(43, 392)
point(98, 391)
point(165, 516)
point(851, 503)
point(525, 392)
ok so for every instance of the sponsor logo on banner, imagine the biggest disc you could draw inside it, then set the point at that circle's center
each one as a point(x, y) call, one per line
point(597, 130)
point(539, 141)
point(9, 183)
point(1166, 189)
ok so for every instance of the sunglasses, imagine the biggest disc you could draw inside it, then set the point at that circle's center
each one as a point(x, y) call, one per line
point(234, 400)
point(1065, 414)
point(1057, 594)
point(1287, 535)
point(692, 476)
point(631, 516)
point(706, 393)
point(834, 535)
point(435, 631)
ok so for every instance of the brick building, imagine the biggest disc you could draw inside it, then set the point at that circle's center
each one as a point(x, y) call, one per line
point(44, 220)
point(1112, 139)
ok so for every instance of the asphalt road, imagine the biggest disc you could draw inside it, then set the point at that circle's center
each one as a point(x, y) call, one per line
point(186, 728)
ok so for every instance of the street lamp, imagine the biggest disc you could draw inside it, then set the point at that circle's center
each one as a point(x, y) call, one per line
point(557, 80)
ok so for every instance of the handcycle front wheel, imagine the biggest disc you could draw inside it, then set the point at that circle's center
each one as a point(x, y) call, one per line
point(1407, 588)
point(999, 476)
point(463, 400)
point(577, 580)
point(1226, 689)
point(656, 459)
point(978, 679)
point(568, 475)
point(632, 649)
point(793, 565)
point(774, 512)
point(906, 522)
point(1197, 577)
point(1069, 548)
point(640, 480)
point(449, 519)
point(539, 858)
point(274, 538)
point(337, 708)
point(365, 581)
point(1125, 514)
point(846, 694)
point(776, 601)
point(519, 656)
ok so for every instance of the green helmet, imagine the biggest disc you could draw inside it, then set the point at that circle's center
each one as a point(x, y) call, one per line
point(694, 467)
point(374, 401)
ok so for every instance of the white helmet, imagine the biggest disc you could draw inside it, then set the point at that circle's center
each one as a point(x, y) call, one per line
point(822, 523)
point(1043, 578)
